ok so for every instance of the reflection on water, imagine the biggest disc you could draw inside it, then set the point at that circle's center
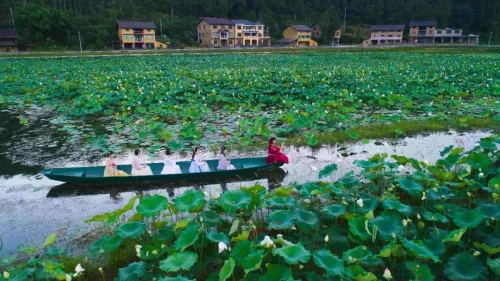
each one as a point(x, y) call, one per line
point(31, 208)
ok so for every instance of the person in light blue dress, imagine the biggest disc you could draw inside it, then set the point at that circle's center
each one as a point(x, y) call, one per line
point(197, 165)
point(224, 164)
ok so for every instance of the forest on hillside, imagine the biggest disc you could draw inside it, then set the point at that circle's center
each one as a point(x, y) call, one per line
point(54, 24)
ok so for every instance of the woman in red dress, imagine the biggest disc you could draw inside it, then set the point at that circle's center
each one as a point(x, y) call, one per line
point(274, 153)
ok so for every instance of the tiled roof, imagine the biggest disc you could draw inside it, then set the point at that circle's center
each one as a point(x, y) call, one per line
point(392, 27)
point(245, 22)
point(300, 27)
point(8, 33)
point(136, 24)
point(286, 40)
point(216, 21)
point(424, 23)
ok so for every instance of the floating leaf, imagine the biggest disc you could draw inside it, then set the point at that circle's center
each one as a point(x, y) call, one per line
point(153, 205)
point(465, 267)
point(234, 227)
point(178, 261)
point(327, 170)
point(132, 272)
point(241, 250)
point(181, 224)
point(333, 265)
point(106, 244)
point(277, 272)
point(131, 230)
point(190, 201)
point(293, 254)
point(7, 260)
point(422, 272)
point(241, 237)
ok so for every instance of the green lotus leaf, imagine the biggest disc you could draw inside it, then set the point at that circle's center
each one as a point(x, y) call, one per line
point(218, 237)
point(353, 135)
point(388, 223)
point(7, 260)
point(391, 204)
point(187, 237)
point(422, 272)
point(333, 265)
point(178, 261)
point(420, 251)
point(211, 218)
point(334, 211)
point(129, 206)
point(50, 240)
point(355, 254)
point(241, 237)
point(357, 273)
point(166, 233)
point(478, 160)
point(276, 272)
point(253, 261)
point(392, 249)
point(153, 205)
point(191, 201)
point(434, 217)
point(490, 210)
point(487, 249)
point(257, 193)
point(106, 244)
point(446, 150)
point(488, 145)
point(467, 218)
point(494, 183)
point(357, 226)
point(131, 230)
point(366, 164)
point(282, 191)
point(410, 186)
point(327, 170)
point(306, 220)
point(465, 267)
point(280, 220)
point(439, 193)
point(227, 270)
point(436, 246)
point(28, 250)
point(232, 201)
point(293, 254)
point(455, 235)
point(494, 265)
point(178, 278)
point(241, 250)
point(132, 272)
point(281, 202)
point(369, 204)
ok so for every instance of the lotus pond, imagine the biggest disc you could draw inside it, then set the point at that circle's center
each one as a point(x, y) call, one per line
point(397, 219)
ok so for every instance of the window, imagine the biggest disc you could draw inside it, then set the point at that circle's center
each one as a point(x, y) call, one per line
point(138, 39)
point(260, 34)
point(457, 31)
point(448, 31)
point(203, 27)
point(149, 29)
point(199, 34)
point(239, 34)
point(439, 31)
point(260, 27)
point(128, 37)
point(382, 35)
point(214, 26)
point(126, 29)
point(231, 35)
point(150, 37)
point(239, 27)
point(390, 35)
point(214, 34)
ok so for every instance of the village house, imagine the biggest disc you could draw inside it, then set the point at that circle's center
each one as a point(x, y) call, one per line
point(336, 37)
point(422, 31)
point(221, 32)
point(454, 36)
point(316, 33)
point(297, 36)
point(8, 40)
point(387, 34)
point(138, 35)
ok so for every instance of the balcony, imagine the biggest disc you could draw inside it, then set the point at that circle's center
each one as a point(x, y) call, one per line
point(139, 39)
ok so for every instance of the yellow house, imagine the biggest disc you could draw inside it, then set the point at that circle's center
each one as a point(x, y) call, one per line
point(221, 32)
point(422, 31)
point(138, 35)
point(387, 34)
point(297, 36)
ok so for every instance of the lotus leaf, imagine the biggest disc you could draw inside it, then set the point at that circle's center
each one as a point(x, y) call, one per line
point(494, 183)
point(227, 270)
point(232, 201)
point(131, 230)
point(151, 206)
point(465, 267)
point(106, 244)
point(178, 261)
point(190, 201)
point(422, 272)
point(410, 186)
point(241, 250)
point(478, 160)
point(166, 233)
point(253, 261)
point(50, 240)
point(178, 278)
point(332, 264)
point(293, 254)
point(392, 249)
point(436, 246)
point(306, 220)
point(420, 251)
point(281, 202)
point(281, 220)
point(132, 272)
point(490, 210)
point(357, 253)
point(181, 224)
point(434, 217)
point(357, 226)
point(386, 226)
point(494, 265)
point(218, 237)
point(369, 204)
point(334, 211)
point(8, 260)
point(455, 235)
point(277, 272)
point(391, 204)
point(187, 237)
point(487, 249)
point(467, 218)
point(241, 237)
point(327, 170)
point(211, 218)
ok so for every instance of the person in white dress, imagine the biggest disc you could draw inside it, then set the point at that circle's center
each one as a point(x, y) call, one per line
point(197, 165)
point(224, 164)
point(138, 168)
point(169, 165)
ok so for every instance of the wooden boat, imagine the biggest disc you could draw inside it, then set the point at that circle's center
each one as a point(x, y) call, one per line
point(94, 175)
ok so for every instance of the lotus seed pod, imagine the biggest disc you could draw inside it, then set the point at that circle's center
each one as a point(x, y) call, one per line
point(155, 252)
point(201, 219)
point(494, 195)
point(301, 267)
point(420, 225)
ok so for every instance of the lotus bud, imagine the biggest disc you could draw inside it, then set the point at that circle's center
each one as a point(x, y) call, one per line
point(222, 246)
point(387, 274)
point(481, 175)
point(327, 238)
point(423, 196)
point(393, 235)
point(250, 222)
point(420, 225)
point(280, 235)
point(350, 259)
point(418, 216)
point(6, 275)
point(100, 270)
point(405, 223)
point(293, 228)
point(267, 242)
point(154, 252)
point(468, 194)
point(201, 219)
point(307, 201)
point(68, 277)
point(476, 253)
point(301, 267)
point(360, 202)
point(390, 189)
point(267, 265)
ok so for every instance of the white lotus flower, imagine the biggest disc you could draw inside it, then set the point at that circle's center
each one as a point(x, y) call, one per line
point(423, 196)
point(481, 175)
point(68, 277)
point(138, 250)
point(78, 270)
point(222, 247)
point(327, 238)
point(307, 201)
point(267, 242)
point(314, 168)
point(426, 162)
point(293, 228)
point(360, 202)
point(100, 269)
point(387, 274)
point(6, 275)
point(280, 235)
point(401, 168)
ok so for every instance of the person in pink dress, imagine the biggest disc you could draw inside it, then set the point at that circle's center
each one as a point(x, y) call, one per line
point(274, 153)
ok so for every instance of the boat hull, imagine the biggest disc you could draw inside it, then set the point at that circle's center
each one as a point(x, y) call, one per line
point(94, 175)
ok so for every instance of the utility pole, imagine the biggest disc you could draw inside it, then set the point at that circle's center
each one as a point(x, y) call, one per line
point(489, 41)
point(80, 39)
point(172, 12)
point(345, 15)
point(161, 29)
point(12, 15)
